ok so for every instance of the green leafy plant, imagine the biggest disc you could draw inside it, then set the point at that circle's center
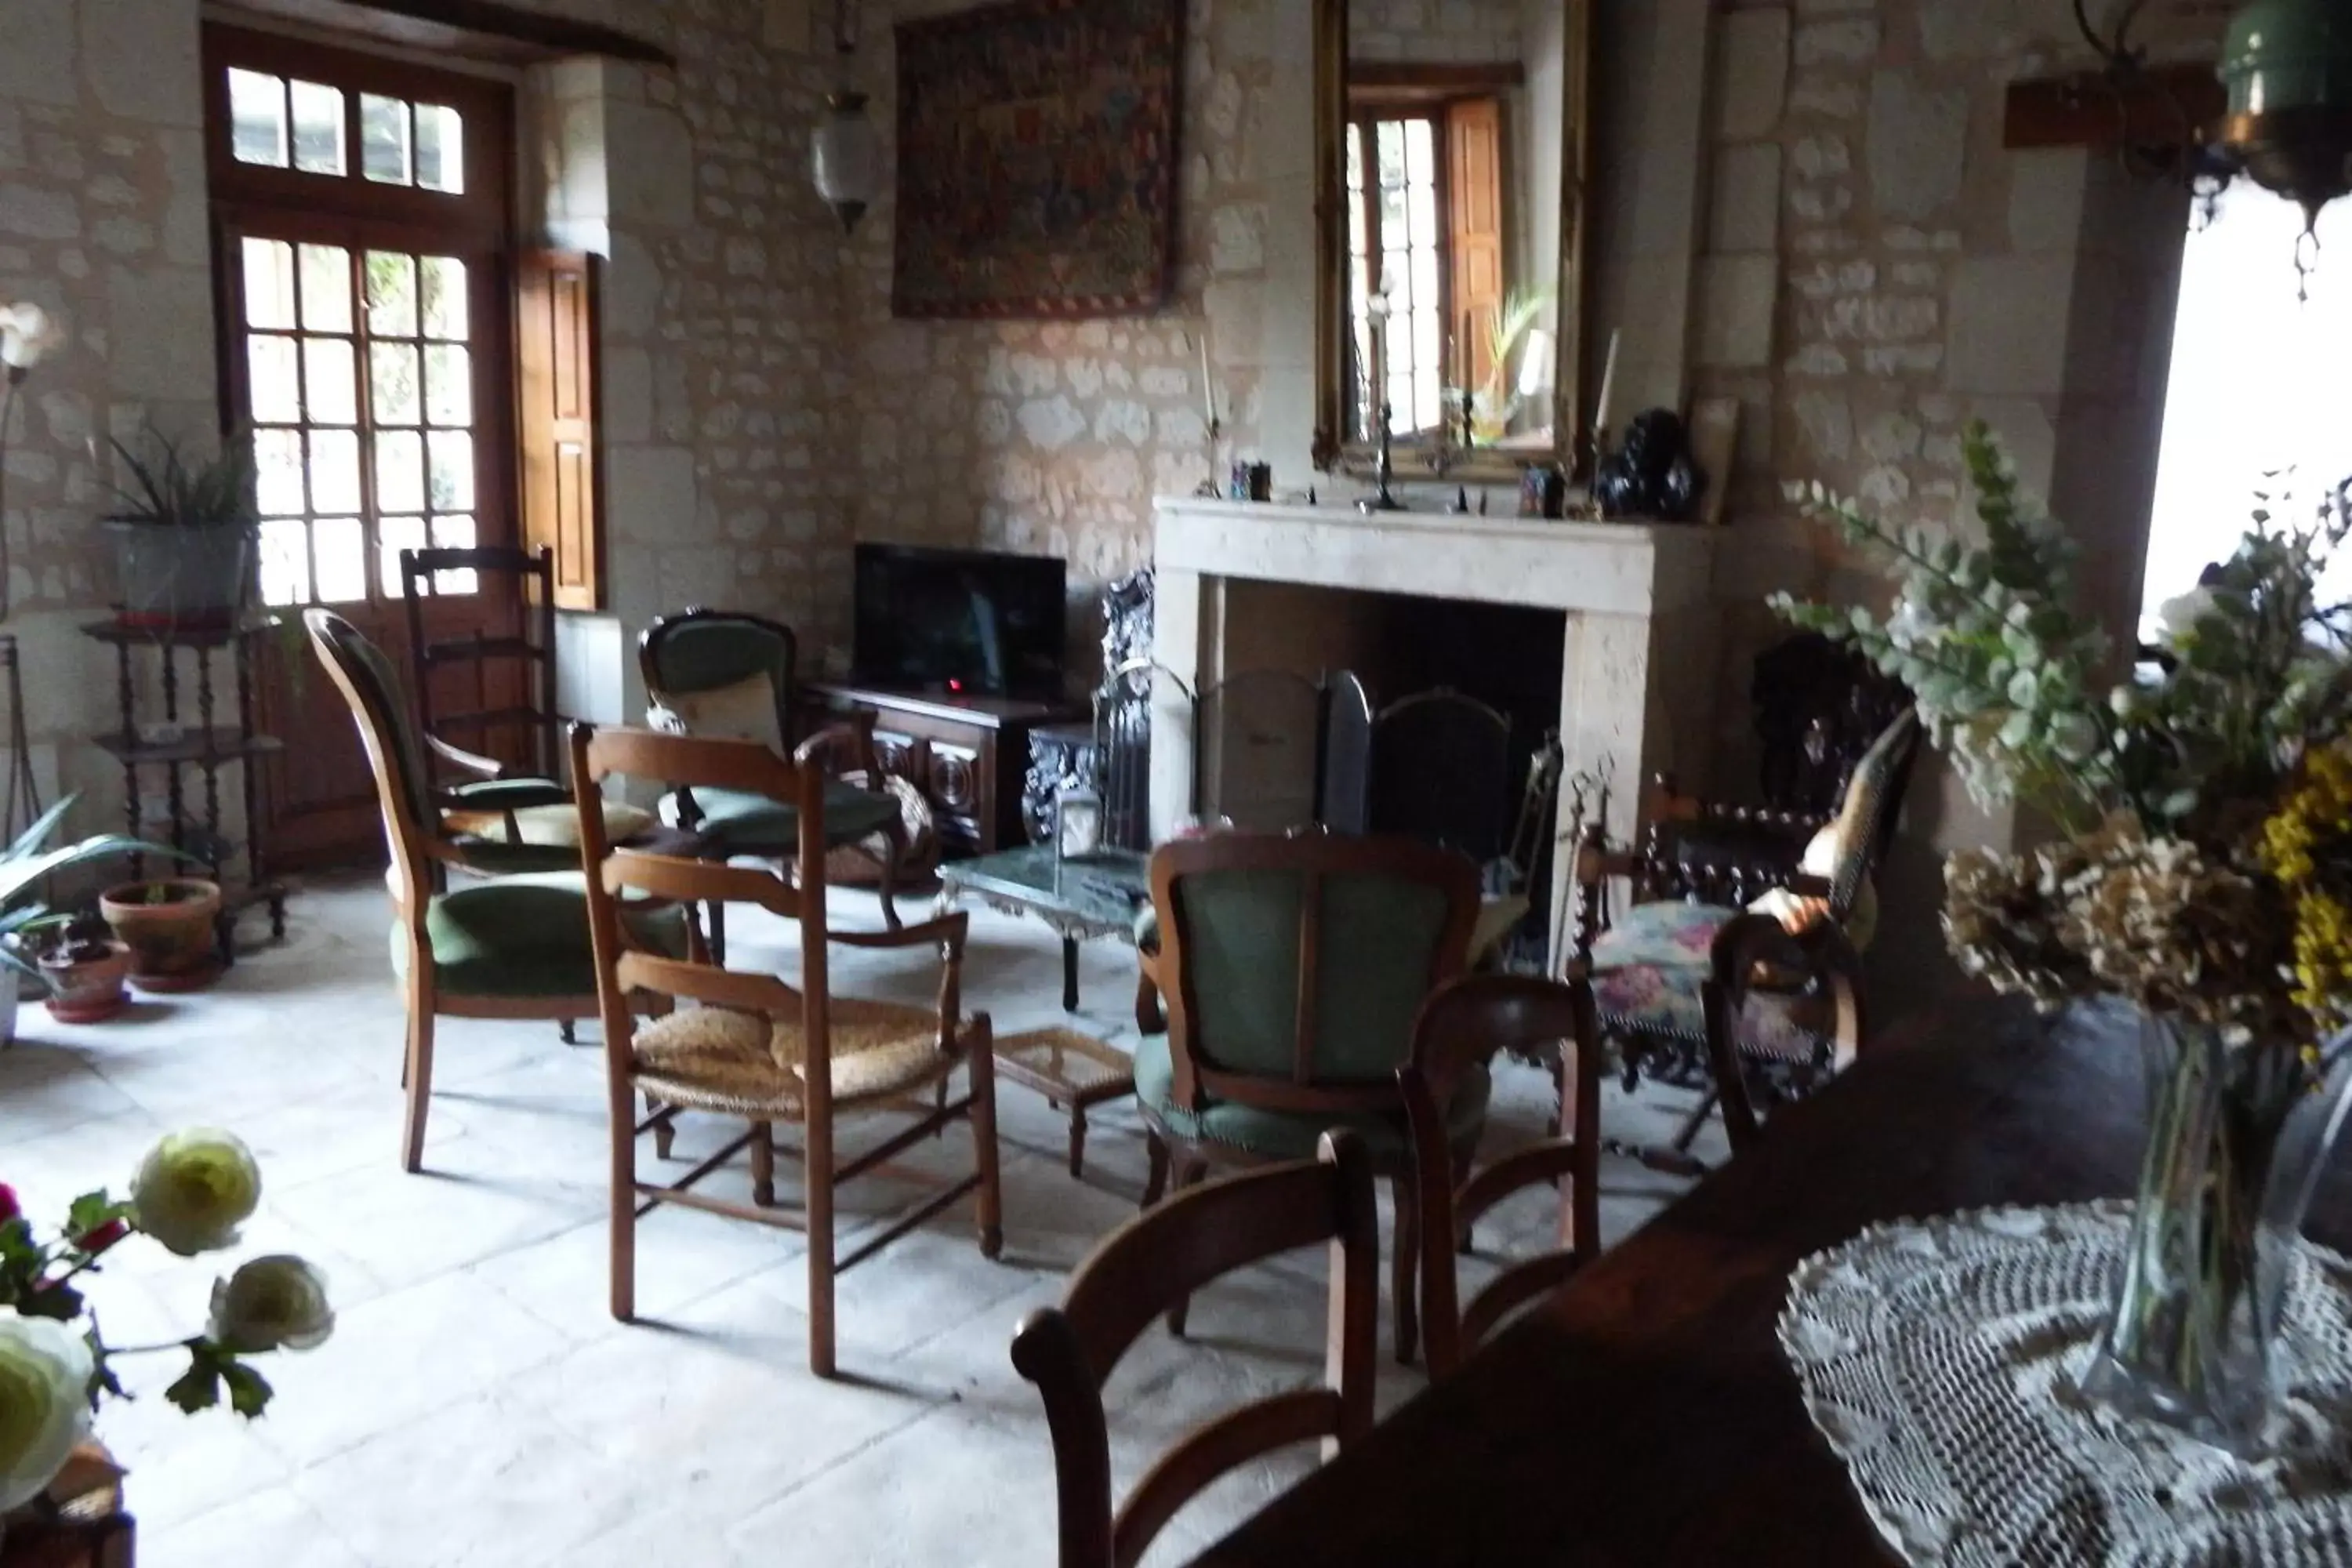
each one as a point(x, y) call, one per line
point(26, 921)
point(168, 489)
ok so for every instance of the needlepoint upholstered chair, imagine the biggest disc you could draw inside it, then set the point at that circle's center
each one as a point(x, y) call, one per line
point(1462, 1027)
point(1294, 967)
point(749, 1045)
point(1667, 998)
point(724, 675)
point(1156, 1260)
point(483, 947)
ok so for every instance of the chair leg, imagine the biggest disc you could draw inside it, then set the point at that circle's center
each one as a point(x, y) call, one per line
point(418, 1080)
point(665, 1130)
point(1077, 1142)
point(567, 1031)
point(1188, 1175)
point(763, 1164)
point(816, 1175)
point(624, 1220)
point(1155, 1182)
point(1406, 1271)
point(719, 933)
point(1694, 1121)
point(988, 1202)
point(894, 840)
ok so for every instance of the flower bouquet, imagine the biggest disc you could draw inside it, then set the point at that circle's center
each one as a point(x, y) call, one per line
point(190, 1195)
point(2200, 877)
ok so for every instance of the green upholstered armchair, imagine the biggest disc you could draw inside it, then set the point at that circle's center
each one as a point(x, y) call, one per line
point(1294, 967)
point(724, 675)
point(514, 946)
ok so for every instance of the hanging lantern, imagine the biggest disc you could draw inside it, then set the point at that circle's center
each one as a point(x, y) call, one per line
point(847, 158)
point(2288, 67)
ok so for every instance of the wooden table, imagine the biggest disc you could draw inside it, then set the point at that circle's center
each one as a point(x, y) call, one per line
point(1099, 896)
point(1644, 1416)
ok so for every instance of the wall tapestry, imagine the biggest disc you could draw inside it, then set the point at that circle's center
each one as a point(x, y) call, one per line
point(1037, 159)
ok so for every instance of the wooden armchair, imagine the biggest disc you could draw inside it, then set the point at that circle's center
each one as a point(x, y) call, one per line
point(512, 946)
point(758, 1049)
point(1159, 1258)
point(1742, 980)
point(1294, 969)
point(1461, 1029)
point(724, 675)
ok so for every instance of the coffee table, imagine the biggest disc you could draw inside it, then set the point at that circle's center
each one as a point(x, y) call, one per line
point(1078, 899)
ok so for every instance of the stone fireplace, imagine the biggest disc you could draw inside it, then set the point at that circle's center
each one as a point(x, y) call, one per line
point(1610, 620)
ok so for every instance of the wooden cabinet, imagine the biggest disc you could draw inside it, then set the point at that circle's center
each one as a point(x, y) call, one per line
point(967, 754)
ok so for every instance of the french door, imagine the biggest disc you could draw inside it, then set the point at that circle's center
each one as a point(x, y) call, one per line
point(361, 247)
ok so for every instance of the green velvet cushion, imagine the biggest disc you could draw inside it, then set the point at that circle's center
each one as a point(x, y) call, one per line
point(1290, 1135)
point(1380, 937)
point(750, 823)
point(495, 857)
point(527, 936)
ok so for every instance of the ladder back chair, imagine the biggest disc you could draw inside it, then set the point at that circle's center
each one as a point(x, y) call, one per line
point(513, 946)
point(1461, 1028)
point(457, 736)
point(1157, 1259)
point(756, 1048)
point(1294, 967)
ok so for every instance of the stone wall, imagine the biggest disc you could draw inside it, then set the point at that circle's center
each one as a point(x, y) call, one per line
point(1456, 32)
point(724, 339)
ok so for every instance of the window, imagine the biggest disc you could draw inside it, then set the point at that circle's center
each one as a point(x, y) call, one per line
point(2255, 401)
point(363, 210)
point(1425, 202)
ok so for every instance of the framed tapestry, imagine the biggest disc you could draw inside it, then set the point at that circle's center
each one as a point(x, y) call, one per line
point(1037, 159)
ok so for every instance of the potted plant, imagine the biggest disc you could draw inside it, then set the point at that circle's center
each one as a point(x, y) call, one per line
point(170, 925)
point(81, 964)
point(184, 534)
point(25, 923)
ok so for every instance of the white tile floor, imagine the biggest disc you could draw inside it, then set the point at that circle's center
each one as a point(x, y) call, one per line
point(476, 1404)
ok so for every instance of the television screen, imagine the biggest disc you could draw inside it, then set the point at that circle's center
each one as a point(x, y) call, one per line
point(966, 622)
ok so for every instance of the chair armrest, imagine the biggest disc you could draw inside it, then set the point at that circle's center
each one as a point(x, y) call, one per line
point(471, 762)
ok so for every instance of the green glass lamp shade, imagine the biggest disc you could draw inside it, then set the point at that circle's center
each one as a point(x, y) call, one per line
point(2289, 54)
point(2288, 67)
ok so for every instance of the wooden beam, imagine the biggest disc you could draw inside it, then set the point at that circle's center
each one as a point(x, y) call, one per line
point(2159, 107)
point(478, 29)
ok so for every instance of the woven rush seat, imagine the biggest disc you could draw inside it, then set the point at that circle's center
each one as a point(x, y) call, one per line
point(715, 1059)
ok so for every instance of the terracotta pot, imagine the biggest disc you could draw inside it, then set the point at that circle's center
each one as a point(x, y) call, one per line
point(174, 944)
point(87, 992)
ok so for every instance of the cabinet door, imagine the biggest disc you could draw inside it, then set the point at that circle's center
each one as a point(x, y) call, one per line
point(901, 755)
point(955, 779)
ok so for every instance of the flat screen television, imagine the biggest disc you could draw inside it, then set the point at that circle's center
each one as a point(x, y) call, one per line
point(964, 622)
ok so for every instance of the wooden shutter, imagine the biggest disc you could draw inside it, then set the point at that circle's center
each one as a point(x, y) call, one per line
point(1474, 168)
point(556, 360)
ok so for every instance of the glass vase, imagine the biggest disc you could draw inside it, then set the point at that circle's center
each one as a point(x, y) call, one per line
point(2237, 1138)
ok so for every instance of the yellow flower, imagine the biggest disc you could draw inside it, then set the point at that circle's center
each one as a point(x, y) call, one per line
point(193, 1189)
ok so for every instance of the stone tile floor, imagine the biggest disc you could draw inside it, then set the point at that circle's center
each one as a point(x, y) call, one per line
point(477, 1405)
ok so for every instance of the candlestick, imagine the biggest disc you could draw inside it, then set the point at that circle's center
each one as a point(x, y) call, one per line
point(1208, 386)
point(1608, 387)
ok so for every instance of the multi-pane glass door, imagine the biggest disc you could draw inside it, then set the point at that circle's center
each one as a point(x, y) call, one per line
point(363, 236)
point(360, 386)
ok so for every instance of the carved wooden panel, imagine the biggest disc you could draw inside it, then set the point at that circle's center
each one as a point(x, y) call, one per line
point(901, 756)
point(955, 780)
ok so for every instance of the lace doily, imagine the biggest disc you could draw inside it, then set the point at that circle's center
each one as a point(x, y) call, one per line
point(1938, 1358)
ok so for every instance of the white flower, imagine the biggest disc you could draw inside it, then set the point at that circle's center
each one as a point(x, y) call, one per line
point(45, 1371)
point(2177, 618)
point(2075, 737)
point(26, 332)
point(193, 1189)
point(271, 1303)
point(1910, 625)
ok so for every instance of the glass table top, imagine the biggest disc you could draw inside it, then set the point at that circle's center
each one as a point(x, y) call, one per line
point(1105, 889)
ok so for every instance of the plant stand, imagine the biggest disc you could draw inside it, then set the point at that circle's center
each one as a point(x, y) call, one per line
point(206, 746)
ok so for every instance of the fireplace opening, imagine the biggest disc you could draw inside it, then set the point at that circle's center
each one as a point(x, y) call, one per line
point(1433, 714)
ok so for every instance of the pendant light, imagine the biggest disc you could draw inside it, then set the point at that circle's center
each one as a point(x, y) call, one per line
point(845, 152)
point(2288, 67)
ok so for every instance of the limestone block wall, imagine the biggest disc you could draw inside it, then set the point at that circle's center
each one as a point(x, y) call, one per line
point(1454, 31)
point(724, 338)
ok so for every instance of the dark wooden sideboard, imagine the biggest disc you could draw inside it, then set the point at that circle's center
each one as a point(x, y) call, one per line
point(967, 754)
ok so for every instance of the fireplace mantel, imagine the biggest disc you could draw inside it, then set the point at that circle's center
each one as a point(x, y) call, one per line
point(1638, 666)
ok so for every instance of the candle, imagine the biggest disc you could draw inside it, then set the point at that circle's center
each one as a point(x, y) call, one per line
point(1608, 388)
point(1208, 387)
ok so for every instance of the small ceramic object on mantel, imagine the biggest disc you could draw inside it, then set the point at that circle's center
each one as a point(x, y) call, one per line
point(1651, 475)
point(1543, 492)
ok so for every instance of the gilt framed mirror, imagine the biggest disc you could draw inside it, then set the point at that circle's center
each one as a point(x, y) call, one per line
point(1452, 144)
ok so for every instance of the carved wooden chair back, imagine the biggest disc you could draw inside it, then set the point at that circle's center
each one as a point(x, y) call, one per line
point(1819, 706)
point(1154, 1261)
point(1293, 966)
point(699, 651)
point(528, 575)
point(1464, 1025)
